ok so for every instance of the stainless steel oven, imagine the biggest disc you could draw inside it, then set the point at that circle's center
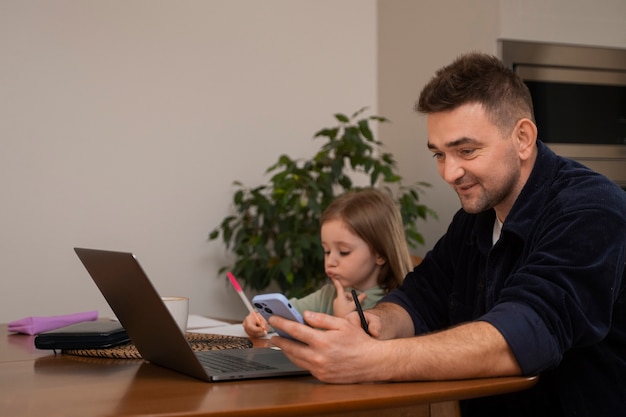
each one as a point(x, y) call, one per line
point(579, 99)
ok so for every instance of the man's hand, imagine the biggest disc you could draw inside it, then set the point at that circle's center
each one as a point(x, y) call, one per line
point(333, 349)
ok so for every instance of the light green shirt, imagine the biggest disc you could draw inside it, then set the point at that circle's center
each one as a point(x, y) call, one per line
point(322, 300)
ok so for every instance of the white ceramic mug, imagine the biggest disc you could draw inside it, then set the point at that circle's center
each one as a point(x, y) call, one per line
point(179, 309)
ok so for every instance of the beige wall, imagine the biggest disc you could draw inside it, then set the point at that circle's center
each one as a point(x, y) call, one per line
point(584, 22)
point(123, 123)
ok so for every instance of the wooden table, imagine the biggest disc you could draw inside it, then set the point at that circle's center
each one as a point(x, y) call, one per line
point(37, 383)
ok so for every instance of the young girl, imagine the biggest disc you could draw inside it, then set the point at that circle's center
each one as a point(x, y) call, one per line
point(365, 249)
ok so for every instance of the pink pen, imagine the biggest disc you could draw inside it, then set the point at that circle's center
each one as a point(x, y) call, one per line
point(243, 297)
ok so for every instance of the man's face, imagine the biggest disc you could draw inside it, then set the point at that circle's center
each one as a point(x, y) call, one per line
point(482, 166)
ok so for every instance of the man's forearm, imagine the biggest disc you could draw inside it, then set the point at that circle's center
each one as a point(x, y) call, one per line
point(395, 321)
point(472, 350)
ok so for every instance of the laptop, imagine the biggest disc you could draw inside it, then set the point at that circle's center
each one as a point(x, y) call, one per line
point(155, 334)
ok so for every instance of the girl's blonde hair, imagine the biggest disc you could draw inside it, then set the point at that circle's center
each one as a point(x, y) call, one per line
point(372, 215)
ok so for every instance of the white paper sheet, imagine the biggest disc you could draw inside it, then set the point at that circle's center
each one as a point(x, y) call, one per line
point(200, 322)
point(228, 330)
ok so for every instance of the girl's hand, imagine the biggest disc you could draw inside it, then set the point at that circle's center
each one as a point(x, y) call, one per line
point(255, 325)
point(343, 303)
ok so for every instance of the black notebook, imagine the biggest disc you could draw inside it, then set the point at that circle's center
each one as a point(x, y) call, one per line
point(99, 334)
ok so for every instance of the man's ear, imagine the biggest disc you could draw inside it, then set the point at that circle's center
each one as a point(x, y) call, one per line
point(525, 133)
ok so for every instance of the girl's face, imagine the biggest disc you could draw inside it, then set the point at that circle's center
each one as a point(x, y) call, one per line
point(348, 258)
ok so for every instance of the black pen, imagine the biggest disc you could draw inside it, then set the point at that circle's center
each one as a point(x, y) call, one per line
point(360, 311)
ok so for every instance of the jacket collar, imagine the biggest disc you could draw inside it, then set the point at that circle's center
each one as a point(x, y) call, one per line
point(528, 204)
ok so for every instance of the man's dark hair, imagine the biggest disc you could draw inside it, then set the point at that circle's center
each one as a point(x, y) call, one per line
point(478, 78)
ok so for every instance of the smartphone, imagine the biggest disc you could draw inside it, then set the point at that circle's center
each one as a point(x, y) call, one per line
point(276, 303)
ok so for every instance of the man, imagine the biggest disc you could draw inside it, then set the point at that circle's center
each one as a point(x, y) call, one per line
point(528, 279)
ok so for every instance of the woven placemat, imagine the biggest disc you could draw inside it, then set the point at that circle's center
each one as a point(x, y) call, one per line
point(198, 342)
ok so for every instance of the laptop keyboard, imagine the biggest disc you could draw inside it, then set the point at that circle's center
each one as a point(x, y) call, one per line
point(225, 363)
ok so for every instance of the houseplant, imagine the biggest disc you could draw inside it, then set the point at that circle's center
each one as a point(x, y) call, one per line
point(274, 232)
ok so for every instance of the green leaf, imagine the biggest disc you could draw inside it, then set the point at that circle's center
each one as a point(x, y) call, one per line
point(342, 118)
point(379, 119)
point(365, 130)
point(329, 133)
point(358, 112)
